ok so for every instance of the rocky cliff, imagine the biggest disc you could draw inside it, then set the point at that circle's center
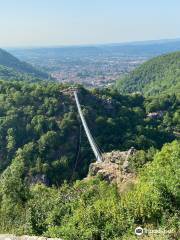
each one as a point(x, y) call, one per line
point(115, 169)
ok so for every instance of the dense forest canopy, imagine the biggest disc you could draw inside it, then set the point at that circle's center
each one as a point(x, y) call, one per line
point(160, 75)
point(40, 123)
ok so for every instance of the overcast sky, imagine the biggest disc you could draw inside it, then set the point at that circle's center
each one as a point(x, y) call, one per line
point(75, 22)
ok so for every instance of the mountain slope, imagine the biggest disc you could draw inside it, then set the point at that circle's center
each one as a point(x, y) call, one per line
point(42, 121)
point(9, 74)
point(159, 75)
point(11, 66)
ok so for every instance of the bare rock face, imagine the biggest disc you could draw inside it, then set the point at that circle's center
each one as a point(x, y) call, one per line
point(114, 168)
point(12, 237)
point(108, 171)
point(115, 157)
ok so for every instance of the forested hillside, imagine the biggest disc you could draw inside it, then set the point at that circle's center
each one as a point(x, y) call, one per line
point(40, 124)
point(9, 74)
point(156, 76)
point(93, 209)
point(42, 144)
point(12, 68)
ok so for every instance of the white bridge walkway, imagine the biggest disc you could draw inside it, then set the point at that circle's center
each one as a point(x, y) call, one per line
point(92, 142)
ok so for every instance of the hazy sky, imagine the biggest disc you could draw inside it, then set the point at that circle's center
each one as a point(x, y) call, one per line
point(69, 22)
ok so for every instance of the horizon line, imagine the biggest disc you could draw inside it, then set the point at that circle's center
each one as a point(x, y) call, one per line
point(151, 41)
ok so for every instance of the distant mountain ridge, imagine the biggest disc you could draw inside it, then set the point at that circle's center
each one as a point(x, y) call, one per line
point(11, 67)
point(156, 76)
point(147, 49)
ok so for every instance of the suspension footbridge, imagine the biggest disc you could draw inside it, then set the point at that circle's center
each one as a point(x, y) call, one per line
point(91, 140)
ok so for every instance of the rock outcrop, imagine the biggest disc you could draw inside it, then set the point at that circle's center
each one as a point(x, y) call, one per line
point(12, 237)
point(114, 169)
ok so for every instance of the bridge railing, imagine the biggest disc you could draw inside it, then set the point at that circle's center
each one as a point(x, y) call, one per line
point(91, 140)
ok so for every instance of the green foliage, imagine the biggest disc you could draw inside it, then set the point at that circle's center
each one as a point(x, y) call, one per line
point(167, 106)
point(9, 74)
point(32, 119)
point(43, 122)
point(93, 209)
point(40, 135)
point(157, 195)
point(140, 158)
point(158, 75)
point(13, 196)
point(95, 213)
point(13, 69)
point(164, 172)
point(42, 202)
